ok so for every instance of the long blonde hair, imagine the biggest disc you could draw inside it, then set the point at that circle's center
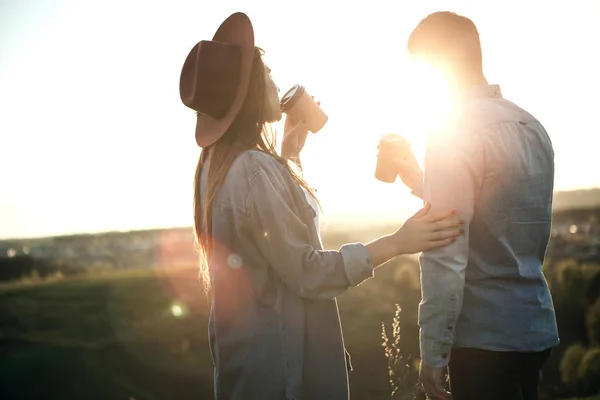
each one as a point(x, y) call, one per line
point(248, 131)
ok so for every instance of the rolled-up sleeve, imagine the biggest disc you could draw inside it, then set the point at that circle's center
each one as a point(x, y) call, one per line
point(357, 263)
point(283, 238)
point(453, 165)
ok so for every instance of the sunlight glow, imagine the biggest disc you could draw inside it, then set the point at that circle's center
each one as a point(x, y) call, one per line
point(413, 100)
point(430, 97)
point(367, 84)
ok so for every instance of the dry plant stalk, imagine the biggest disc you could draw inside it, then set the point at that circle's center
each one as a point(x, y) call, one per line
point(398, 367)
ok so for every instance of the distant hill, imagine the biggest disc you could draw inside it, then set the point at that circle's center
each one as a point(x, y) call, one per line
point(577, 199)
point(370, 224)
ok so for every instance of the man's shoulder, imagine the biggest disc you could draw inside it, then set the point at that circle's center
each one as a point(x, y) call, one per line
point(484, 113)
point(472, 120)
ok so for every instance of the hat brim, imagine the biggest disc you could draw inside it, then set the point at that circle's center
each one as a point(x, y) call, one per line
point(238, 30)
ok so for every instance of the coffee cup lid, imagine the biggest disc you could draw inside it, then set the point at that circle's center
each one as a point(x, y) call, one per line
point(289, 94)
point(289, 97)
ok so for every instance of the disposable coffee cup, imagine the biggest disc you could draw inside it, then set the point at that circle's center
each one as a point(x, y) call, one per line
point(391, 146)
point(298, 105)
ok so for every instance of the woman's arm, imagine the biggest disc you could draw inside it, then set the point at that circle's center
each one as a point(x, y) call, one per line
point(283, 238)
point(422, 232)
point(294, 139)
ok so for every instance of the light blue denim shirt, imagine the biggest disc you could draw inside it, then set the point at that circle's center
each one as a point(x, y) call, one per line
point(495, 165)
point(274, 327)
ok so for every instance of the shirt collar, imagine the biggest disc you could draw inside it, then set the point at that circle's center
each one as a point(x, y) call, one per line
point(483, 91)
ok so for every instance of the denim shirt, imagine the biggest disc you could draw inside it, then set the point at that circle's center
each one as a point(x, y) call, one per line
point(274, 326)
point(495, 166)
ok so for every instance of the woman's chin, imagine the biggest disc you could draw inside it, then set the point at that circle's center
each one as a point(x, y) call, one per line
point(275, 117)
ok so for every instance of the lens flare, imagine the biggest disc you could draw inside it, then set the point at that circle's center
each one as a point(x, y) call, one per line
point(177, 310)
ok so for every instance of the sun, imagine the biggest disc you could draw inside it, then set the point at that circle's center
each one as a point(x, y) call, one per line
point(412, 99)
point(429, 98)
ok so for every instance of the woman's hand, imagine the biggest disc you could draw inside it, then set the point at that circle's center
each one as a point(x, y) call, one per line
point(294, 138)
point(422, 232)
point(426, 231)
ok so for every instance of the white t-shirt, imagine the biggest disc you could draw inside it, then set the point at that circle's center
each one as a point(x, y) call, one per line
point(313, 203)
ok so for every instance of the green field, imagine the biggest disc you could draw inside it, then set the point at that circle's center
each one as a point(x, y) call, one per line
point(588, 398)
point(143, 335)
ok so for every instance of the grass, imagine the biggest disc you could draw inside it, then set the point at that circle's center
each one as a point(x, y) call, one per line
point(105, 338)
point(587, 398)
point(117, 336)
point(142, 335)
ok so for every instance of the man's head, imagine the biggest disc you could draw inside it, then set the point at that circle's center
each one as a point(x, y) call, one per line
point(450, 42)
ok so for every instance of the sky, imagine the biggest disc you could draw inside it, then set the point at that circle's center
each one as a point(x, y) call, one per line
point(94, 136)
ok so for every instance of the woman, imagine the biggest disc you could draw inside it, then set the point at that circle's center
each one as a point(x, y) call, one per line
point(274, 326)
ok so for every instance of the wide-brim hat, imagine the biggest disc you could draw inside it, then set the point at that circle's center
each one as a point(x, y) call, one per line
point(215, 77)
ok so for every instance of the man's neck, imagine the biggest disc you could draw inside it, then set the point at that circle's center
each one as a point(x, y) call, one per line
point(465, 82)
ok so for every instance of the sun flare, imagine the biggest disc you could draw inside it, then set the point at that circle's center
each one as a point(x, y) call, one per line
point(429, 99)
point(414, 105)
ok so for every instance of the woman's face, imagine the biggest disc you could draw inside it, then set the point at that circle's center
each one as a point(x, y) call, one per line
point(272, 108)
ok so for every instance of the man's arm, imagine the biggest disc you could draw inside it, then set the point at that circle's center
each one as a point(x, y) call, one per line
point(452, 177)
point(410, 173)
point(418, 190)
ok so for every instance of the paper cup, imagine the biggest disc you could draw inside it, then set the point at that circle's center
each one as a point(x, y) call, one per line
point(298, 105)
point(390, 147)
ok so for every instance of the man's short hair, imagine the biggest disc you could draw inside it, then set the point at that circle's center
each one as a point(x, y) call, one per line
point(449, 38)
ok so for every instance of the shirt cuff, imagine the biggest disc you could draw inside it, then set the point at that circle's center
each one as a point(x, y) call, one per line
point(418, 190)
point(435, 355)
point(357, 263)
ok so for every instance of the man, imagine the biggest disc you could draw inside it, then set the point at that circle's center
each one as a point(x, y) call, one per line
point(486, 308)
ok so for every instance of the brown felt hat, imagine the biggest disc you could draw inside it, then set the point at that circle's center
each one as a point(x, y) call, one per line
point(215, 76)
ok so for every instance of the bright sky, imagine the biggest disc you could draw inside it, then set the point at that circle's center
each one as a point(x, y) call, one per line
point(94, 136)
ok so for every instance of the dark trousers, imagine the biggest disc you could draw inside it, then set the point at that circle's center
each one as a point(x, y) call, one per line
point(480, 374)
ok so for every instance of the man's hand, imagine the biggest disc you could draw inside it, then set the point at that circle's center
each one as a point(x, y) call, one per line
point(432, 380)
point(409, 170)
point(294, 138)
